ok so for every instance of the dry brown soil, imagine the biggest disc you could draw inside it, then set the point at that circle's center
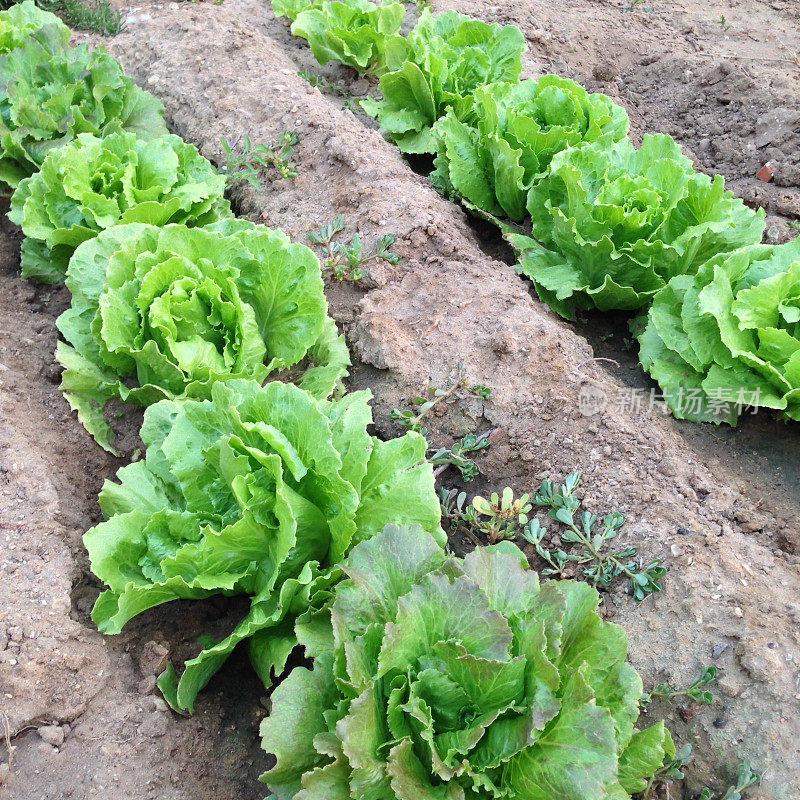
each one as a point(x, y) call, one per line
point(721, 508)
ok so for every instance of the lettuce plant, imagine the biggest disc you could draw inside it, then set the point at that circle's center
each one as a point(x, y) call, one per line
point(165, 312)
point(19, 21)
point(92, 184)
point(50, 93)
point(729, 336)
point(449, 56)
point(259, 491)
point(517, 129)
point(356, 33)
point(451, 678)
point(291, 8)
point(611, 225)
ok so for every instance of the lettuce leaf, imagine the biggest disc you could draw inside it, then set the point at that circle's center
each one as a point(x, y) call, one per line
point(449, 56)
point(166, 312)
point(50, 93)
point(439, 677)
point(92, 184)
point(292, 8)
point(356, 33)
point(258, 491)
point(517, 129)
point(612, 225)
point(728, 337)
point(19, 21)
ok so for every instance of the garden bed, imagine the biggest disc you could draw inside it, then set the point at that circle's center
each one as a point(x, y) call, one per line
point(719, 507)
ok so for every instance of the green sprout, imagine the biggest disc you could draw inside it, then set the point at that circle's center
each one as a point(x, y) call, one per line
point(694, 692)
point(745, 777)
point(601, 566)
point(346, 262)
point(324, 85)
point(86, 16)
point(244, 161)
point(412, 419)
point(501, 516)
point(454, 457)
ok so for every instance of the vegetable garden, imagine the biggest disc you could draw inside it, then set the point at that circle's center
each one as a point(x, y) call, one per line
point(415, 640)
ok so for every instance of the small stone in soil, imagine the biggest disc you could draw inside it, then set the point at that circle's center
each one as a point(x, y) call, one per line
point(718, 649)
point(766, 173)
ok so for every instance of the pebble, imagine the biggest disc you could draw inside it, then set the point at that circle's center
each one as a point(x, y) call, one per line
point(718, 649)
point(766, 173)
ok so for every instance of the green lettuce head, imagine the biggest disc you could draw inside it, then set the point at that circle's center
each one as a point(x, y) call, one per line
point(92, 184)
point(449, 56)
point(729, 336)
point(259, 491)
point(167, 312)
point(19, 21)
point(517, 129)
point(356, 33)
point(453, 679)
point(50, 93)
point(612, 225)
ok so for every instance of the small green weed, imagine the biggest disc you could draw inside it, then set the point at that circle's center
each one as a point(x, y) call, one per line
point(673, 770)
point(424, 405)
point(244, 160)
point(670, 771)
point(324, 85)
point(501, 516)
point(85, 15)
point(745, 777)
point(600, 566)
point(345, 262)
point(504, 517)
point(694, 692)
point(454, 456)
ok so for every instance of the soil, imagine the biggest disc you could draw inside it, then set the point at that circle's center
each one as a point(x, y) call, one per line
point(719, 507)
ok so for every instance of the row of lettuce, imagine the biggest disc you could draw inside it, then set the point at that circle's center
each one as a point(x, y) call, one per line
point(603, 224)
point(433, 676)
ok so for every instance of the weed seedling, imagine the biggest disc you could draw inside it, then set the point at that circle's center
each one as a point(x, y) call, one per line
point(501, 517)
point(345, 262)
point(454, 457)
point(670, 771)
point(723, 23)
point(601, 566)
point(424, 405)
point(244, 160)
point(745, 777)
point(86, 16)
point(795, 224)
point(461, 514)
point(324, 85)
point(694, 692)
